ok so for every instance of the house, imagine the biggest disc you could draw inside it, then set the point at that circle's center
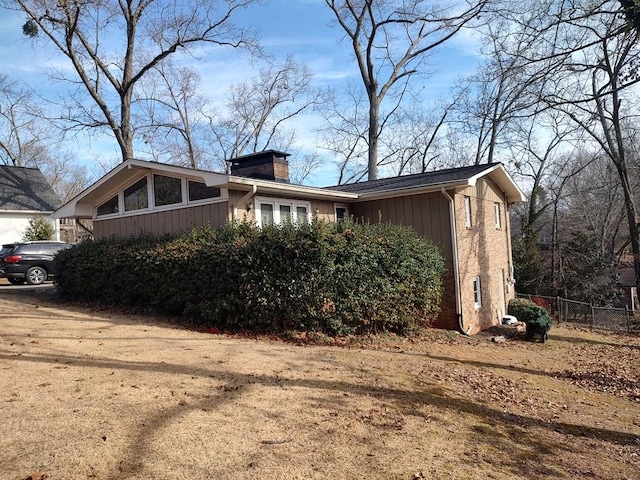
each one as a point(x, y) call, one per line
point(463, 210)
point(627, 283)
point(24, 193)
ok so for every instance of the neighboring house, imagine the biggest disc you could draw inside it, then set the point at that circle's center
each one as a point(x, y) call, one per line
point(24, 194)
point(627, 282)
point(463, 210)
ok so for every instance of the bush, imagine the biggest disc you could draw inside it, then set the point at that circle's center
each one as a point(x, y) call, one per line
point(536, 317)
point(333, 278)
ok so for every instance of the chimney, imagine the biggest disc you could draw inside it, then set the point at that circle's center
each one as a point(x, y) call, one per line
point(266, 165)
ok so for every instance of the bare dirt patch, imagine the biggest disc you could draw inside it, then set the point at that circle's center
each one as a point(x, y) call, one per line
point(86, 393)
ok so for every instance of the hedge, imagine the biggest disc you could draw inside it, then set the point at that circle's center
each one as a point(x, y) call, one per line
point(536, 317)
point(338, 279)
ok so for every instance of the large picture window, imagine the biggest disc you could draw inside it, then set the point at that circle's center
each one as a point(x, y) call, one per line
point(157, 191)
point(136, 197)
point(109, 207)
point(166, 190)
point(200, 191)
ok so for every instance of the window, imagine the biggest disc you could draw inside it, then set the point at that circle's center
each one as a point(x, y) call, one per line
point(166, 190)
point(496, 209)
point(278, 210)
point(136, 197)
point(301, 214)
point(157, 191)
point(467, 211)
point(477, 292)
point(285, 213)
point(266, 214)
point(200, 191)
point(342, 212)
point(108, 207)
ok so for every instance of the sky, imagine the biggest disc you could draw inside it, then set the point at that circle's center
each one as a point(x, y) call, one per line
point(298, 27)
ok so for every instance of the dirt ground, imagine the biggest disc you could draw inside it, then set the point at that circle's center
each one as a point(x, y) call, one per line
point(88, 393)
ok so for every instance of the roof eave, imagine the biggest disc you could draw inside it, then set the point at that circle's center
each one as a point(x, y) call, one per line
point(277, 188)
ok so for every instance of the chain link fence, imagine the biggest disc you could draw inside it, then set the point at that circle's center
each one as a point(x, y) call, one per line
point(587, 315)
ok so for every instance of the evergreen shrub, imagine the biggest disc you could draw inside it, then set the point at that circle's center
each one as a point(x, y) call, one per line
point(535, 316)
point(339, 279)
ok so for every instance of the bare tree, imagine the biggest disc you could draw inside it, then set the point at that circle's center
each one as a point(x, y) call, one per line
point(112, 46)
point(170, 101)
point(597, 97)
point(390, 42)
point(28, 139)
point(22, 135)
point(260, 112)
point(344, 135)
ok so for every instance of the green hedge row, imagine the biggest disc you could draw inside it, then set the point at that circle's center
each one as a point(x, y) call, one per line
point(334, 278)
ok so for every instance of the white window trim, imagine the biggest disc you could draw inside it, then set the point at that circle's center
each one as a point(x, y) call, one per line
point(467, 212)
point(119, 192)
point(336, 206)
point(477, 298)
point(498, 215)
point(276, 203)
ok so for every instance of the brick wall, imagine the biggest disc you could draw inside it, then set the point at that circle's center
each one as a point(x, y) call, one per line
point(484, 251)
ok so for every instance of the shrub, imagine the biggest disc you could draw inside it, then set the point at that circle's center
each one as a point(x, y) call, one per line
point(334, 278)
point(536, 317)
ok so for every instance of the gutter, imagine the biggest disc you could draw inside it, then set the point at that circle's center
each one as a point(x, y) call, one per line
point(456, 266)
point(244, 200)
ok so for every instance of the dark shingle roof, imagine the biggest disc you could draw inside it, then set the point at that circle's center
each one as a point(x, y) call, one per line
point(23, 188)
point(441, 177)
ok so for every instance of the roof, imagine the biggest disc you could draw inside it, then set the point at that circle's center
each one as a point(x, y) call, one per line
point(81, 206)
point(26, 189)
point(449, 178)
point(627, 277)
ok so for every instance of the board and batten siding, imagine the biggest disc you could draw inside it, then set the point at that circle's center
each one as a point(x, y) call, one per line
point(429, 215)
point(485, 189)
point(163, 222)
point(323, 210)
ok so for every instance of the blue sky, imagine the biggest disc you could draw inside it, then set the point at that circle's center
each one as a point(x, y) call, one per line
point(299, 27)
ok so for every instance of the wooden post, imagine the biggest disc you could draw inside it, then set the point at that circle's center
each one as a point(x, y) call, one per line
point(592, 315)
point(626, 318)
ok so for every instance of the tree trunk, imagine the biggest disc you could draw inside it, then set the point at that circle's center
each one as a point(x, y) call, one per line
point(374, 111)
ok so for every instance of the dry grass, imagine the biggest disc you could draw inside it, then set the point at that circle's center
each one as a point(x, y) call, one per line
point(93, 394)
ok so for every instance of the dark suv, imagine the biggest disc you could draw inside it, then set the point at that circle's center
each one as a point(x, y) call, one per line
point(29, 261)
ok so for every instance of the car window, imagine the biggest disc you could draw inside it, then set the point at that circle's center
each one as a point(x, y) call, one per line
point(30, 248)
point(53, 248)
point(6, 249)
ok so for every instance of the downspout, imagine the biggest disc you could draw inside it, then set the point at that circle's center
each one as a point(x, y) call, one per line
point(250, 193)
point(507, 228)
point(456, 266)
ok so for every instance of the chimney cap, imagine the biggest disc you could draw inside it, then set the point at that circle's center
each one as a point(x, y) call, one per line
point(264, 154)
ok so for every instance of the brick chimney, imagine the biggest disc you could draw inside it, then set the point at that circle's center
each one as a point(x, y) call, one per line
point(266, 165)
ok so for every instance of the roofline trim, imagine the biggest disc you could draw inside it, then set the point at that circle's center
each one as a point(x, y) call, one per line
point(289, 188)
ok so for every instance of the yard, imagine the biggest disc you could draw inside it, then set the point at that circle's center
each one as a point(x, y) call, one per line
point(88, 393)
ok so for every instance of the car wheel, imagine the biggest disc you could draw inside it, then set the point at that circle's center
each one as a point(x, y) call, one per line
point(36, 275)
point(16, 281)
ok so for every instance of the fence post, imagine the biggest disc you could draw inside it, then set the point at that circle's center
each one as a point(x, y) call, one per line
point(592, 315)
point(626, 318)
point(559, 309)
